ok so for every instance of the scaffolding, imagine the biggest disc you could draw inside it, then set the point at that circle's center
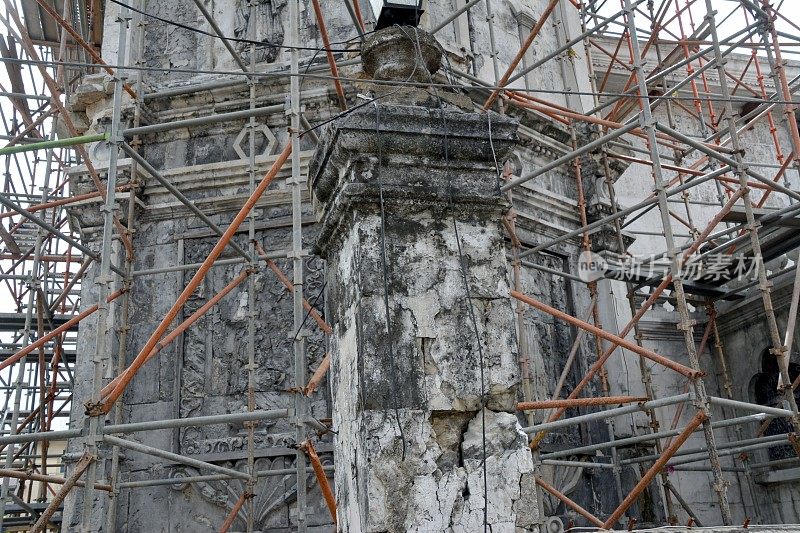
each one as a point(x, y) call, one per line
point(43, 261)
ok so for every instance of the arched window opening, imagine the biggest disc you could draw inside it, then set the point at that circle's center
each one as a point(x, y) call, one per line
point(765, 391)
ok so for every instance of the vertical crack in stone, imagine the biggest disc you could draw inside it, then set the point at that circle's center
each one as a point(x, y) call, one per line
point(436, 362)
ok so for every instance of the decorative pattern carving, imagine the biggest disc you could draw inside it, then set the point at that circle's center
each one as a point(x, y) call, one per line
point(213, 375)
point(273, 494)
point(268, 142)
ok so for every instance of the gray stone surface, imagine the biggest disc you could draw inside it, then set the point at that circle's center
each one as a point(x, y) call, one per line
point(202, 372)
point(414, 393)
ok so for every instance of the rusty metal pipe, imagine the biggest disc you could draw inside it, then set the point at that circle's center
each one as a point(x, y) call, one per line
point(521, 53)
point(564, 498)
point(642, 310)
point(324, 326)
point(357, 13)
point(31, 476)
point(184, 325)
point(619, 341)
point(322, 479)
point(55, 91)
point(62, 328)
point(70, 482)
point(196, 280)
point(234, 512)
point(83, 44)
point(63, 201)
point(326, 42)
point(580, 402)
point(700, 350)
point(319, 373)
point(629, 500)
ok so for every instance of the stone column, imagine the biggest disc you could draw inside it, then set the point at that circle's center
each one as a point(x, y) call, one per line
point(420, 412)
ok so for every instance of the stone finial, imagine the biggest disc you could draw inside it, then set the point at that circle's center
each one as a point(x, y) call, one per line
point(401, 53)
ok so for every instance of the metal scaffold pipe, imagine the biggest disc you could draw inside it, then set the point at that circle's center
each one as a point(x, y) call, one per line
point(202, 121)
point(580, 402)
point(600, 415)
point(618, 341)
point(698, 160)
point(772, 411)
point(175, 457)
point(589, 449)
point(56, 143)
point(230, 418)
point(212, 477)
point(627, 211)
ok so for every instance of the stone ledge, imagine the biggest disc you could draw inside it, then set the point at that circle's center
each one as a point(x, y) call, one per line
point(413, 132)
point(358, 161)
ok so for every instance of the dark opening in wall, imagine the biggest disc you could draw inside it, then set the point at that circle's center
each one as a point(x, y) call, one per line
point(745, 111)
point(766, 393)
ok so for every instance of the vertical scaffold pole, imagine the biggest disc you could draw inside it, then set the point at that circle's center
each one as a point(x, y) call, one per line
point(778, 348)
point(20, 382)
point(297, 183)
point(94, 421)
point(137, 40)
point(647, 123)
point(251, 285)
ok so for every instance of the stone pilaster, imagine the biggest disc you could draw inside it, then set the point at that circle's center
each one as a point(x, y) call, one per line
point(412, 395)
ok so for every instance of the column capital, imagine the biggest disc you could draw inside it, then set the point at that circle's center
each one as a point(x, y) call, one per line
point(422, 157)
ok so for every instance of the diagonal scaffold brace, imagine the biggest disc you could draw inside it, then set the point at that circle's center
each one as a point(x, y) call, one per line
point(105, 403)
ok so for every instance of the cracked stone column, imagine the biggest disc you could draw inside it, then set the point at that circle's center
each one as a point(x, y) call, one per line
point(413, 396)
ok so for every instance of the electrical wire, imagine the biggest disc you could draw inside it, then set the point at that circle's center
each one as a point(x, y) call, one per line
point(385, 271)
point(312, 307)
point(231, 39)
point(384, 262)
point(439, 85)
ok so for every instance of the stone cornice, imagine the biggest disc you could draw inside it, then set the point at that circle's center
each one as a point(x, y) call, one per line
point(734, 316)
point(416, 157)
point(545, 214)
point(662, 325)
point(214, 187)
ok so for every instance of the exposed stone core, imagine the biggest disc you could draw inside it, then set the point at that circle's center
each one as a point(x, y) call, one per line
point(412, 395)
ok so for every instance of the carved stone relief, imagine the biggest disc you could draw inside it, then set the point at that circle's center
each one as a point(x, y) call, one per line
point(265, 22)
point(273, 494)
point(213, 373)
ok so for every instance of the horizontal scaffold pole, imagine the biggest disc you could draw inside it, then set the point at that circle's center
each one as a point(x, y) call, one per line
point(169, 456)
point(56, 143)
point(580, 402)
point(600, 415)
point(55, 480)
point(151, 425)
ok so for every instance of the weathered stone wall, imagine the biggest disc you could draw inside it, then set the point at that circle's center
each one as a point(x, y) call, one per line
point(420, 402)
point(202, 373)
